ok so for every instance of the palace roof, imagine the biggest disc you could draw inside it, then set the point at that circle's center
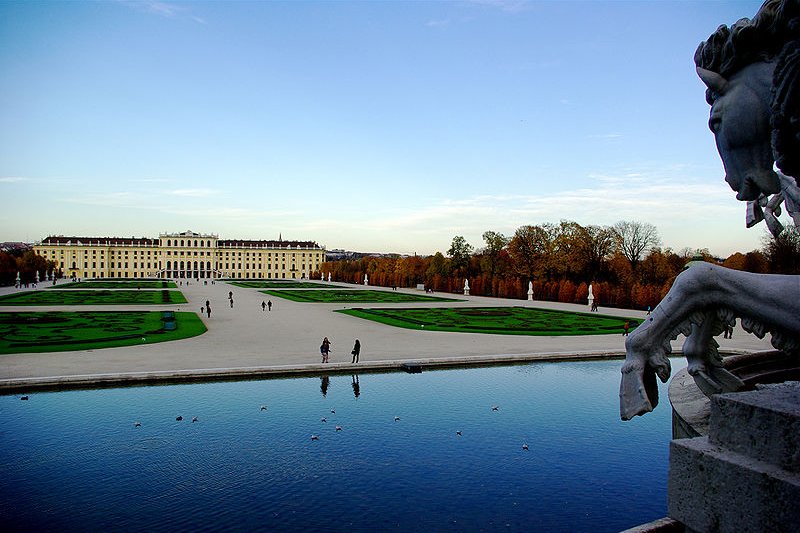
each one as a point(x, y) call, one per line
point(100, 241)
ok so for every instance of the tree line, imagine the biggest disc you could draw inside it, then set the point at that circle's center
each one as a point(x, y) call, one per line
point(624, 263)
point(25, 262)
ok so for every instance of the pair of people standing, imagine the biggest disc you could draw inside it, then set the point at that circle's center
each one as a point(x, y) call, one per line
point(325, 349)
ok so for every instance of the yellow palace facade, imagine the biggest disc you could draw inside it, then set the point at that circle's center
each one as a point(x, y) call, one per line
point(186, 255)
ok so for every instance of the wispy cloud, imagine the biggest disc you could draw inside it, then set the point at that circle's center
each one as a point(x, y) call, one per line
point(438, 23)
point(629, 195)
point(194, 193)
point(12, 179)
point(149, 180)
point(605, 136)
point(507, 6)
point(163, 9)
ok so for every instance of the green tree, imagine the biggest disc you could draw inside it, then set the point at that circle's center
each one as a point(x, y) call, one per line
point(495, 243)
point(459, 253)
point(438, 266)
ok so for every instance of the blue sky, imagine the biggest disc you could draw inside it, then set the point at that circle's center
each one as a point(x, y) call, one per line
point(372, 126)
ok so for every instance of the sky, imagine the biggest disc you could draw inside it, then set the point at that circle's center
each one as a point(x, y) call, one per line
point(370, 126)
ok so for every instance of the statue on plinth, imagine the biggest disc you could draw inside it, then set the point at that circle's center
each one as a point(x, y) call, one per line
point(366, 280)
point(530, 291)
point(752, 72)
point(466, 287)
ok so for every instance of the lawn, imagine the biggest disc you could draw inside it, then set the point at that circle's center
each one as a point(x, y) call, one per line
point(93, 297)
point(354, 296)
point(498, 320)
point(142, 284)
point(89, 330)
point(277, 284)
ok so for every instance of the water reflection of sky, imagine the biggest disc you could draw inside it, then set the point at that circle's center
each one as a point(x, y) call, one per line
point(74, 460)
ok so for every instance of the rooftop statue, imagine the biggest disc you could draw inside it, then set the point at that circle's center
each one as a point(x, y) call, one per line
point(752, 71)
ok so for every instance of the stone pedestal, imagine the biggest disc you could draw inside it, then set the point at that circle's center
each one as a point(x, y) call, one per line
point(745, 475)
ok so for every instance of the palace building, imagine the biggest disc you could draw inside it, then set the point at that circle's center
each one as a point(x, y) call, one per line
point(181, 255)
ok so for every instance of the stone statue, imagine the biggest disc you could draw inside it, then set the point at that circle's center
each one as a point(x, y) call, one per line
point(329, 276)
point(530, 291)
point(590, 298)
point(752, 71)
point(466, 287)
point(366, 280)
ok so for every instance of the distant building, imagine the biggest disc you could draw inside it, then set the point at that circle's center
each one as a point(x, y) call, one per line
point(14, 247)
point(181, 255)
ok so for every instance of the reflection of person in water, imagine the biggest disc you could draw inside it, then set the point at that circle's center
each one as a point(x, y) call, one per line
point(324, 381)
point(356, 386)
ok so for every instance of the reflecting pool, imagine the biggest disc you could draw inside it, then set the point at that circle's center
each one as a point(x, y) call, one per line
point(76, 460)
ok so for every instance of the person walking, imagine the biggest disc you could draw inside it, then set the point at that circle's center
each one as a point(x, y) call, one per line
point(325, 349)
point(269, 305)
point(625, 328)
point(356, 351)
point(263, 305)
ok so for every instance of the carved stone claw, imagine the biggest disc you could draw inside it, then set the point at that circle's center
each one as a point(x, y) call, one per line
point(638, 392)
point(638, 389)
point(716, 380)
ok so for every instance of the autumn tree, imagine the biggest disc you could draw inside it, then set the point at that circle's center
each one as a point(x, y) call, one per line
point(600, 245)
point(569, 254)
point(634, 238)
point(530, 249)
point(8, 268)
point(30, 263)
point(783, 251)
